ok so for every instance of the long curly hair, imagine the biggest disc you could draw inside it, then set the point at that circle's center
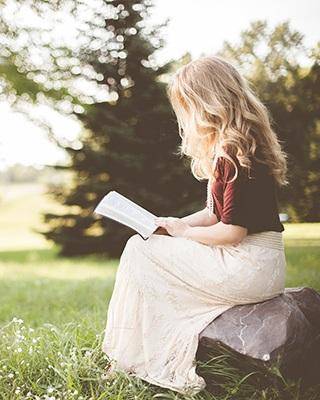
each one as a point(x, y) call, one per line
point(219, 114)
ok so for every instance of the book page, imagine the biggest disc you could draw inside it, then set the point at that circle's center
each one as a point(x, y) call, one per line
point(118, 207)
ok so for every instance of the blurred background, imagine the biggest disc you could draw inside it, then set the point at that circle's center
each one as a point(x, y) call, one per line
point(83, 111)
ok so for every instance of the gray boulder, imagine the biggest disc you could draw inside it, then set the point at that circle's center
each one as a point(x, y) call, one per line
point(283, 331)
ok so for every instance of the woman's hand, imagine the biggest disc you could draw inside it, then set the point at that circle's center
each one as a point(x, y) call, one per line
point(174, 226)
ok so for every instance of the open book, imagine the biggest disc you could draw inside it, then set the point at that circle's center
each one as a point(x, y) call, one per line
point(119, 208)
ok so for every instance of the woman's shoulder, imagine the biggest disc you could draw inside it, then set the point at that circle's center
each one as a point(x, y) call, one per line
point(227, 167)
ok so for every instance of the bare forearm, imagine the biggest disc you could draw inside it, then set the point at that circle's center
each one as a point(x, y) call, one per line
point(217, 234)
point(200, 218)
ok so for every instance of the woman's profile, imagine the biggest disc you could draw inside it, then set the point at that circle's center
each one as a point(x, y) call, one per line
point(171, 286)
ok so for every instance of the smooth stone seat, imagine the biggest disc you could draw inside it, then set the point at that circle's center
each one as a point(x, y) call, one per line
point(283, 331)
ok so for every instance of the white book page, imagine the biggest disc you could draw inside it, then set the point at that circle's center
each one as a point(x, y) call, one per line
point(121, 209)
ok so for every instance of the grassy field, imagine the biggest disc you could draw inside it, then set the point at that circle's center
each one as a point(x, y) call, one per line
point(53, 312)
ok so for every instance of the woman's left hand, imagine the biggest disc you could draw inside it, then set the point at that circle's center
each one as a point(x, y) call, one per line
point(174, 226)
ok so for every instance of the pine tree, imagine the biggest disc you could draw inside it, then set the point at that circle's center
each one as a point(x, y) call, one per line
point(129, 144)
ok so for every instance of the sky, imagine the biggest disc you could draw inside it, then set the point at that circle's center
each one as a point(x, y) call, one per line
point(196, 26)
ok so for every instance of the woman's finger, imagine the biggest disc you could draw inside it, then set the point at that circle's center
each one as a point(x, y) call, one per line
point(160, 222)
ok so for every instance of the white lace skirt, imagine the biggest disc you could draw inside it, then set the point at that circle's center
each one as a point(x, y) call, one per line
point(168, 289)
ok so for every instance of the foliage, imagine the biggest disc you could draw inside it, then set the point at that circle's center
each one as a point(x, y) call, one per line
point(273, 60)
point(129, 140)
point(105, 75)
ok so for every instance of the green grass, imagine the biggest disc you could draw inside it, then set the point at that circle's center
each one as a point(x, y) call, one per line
point(302, 247)
point(20, 214)
point(53, 313)
point(40, 288)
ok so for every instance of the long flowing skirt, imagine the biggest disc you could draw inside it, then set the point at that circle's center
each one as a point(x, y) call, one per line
point(168, 289)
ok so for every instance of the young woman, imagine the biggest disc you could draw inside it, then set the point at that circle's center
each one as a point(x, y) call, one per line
point(170, 287)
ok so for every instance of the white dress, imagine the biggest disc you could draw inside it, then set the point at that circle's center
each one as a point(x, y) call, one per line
point(168, 289)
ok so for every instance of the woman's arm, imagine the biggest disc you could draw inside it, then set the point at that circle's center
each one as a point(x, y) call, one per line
point(200, 218)
point(231, 228)
point(217, 234)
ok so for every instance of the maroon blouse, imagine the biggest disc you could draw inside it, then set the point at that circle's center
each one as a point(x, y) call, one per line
point(250, 202)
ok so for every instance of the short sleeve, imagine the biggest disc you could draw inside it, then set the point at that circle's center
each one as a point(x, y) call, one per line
point(235, 195)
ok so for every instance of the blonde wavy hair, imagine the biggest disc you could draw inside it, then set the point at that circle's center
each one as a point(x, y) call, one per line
point(219, 114)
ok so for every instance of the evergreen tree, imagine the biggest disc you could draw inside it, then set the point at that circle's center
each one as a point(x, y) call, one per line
point(129, 143)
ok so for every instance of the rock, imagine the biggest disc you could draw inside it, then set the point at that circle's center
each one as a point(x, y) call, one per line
point(283, 331)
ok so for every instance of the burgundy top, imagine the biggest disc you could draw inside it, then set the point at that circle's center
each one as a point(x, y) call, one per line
point(248, 202)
